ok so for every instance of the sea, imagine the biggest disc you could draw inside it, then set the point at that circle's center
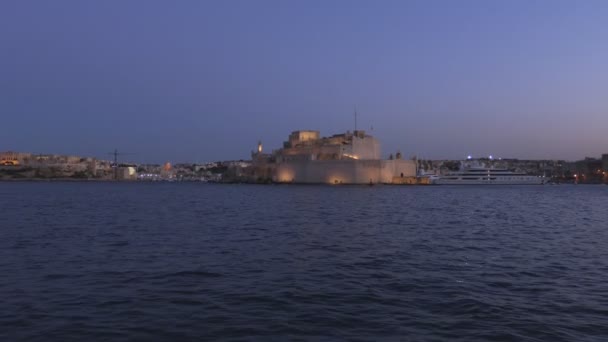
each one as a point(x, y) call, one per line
point(104, 261)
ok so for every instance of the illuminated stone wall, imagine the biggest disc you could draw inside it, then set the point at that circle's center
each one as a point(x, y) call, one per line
point(349, 158)
point(397, 168)
point(343, 171)
point(340, 146)
point(366, 148)
point(297, 137)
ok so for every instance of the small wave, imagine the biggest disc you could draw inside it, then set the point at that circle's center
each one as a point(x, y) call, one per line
point(181, 274)
point(118, 244)
point(56, 276)
point(114, 302)
point(186, 302)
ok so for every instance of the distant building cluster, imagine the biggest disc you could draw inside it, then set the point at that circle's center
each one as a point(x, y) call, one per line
point(588, 170)
point(208, 172)
point(306, 157)
point(15, 165)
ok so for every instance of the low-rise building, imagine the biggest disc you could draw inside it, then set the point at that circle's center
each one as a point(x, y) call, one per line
point(10, 158)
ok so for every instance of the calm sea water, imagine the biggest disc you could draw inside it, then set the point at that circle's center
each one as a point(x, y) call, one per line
point(106, 261)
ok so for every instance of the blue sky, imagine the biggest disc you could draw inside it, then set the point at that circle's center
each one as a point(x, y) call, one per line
point(195, 81)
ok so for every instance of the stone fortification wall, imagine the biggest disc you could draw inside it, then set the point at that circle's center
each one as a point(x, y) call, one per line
point(343, 171)
point(398, 168)
point(312, 152)
point(366, 148)
point(333, 148)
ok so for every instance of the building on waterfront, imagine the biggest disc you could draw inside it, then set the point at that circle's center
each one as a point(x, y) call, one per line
point(126, 172)
point(588, 170)
point(28, 165)
point(10, 158)
point(348, 158)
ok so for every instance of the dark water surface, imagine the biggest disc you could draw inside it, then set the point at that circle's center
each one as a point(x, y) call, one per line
point(106, 261)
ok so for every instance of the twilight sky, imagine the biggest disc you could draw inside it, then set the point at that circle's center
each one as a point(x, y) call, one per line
point(196, 81)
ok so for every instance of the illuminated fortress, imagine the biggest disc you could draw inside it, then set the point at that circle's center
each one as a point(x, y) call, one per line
point(349, 158)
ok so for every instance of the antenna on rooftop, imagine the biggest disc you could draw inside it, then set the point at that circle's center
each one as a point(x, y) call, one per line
point(116, 154)
point(355, 118)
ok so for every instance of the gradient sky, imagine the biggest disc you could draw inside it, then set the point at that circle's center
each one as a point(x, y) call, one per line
point(196, 81)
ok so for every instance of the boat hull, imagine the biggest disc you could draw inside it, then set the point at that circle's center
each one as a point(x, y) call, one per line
point(524, 181)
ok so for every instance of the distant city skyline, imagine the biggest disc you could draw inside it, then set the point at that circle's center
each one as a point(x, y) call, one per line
point(200, 81)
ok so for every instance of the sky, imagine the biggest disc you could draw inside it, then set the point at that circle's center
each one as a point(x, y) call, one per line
point(199, 81)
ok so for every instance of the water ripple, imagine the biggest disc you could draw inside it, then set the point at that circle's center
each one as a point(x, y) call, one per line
point(206, 262)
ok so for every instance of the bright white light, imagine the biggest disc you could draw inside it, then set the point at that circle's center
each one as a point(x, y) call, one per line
point(491, 157)
point(469, 157)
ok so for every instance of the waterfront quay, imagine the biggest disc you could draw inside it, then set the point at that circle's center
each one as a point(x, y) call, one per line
point(15, 166)
point(305, 158)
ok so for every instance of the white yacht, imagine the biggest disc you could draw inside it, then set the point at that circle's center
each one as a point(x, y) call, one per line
point(489, 176)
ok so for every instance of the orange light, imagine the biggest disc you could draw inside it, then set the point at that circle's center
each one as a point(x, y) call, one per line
point(352, 156)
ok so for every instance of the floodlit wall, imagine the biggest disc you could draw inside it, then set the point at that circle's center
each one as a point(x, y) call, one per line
point(366, 148)
point(336, 147)
point(343, 171)
point(302, 136)
point(397, 168)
